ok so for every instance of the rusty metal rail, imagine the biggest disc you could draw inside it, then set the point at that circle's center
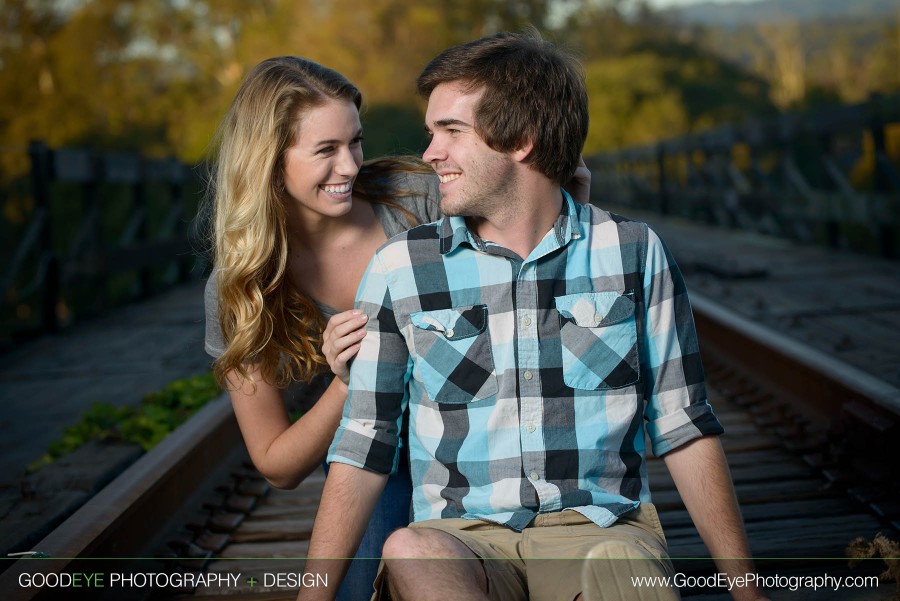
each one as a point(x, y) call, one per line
point(128, 517)
point(815, 380)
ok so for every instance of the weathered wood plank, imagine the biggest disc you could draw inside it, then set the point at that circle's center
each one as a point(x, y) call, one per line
point(274, 530)
point(756, 492)
point(659, 478)
point(784, 539)
point(294, 549)
point(811, 510)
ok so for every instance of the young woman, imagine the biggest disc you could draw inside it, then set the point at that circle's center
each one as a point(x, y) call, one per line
point(297, 217)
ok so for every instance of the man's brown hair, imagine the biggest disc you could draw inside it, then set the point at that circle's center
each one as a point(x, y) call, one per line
point(533, 92)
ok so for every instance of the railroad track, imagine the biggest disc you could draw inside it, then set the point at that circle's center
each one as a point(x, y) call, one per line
point(809, 442)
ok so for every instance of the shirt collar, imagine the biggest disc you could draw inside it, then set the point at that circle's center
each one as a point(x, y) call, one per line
point(454, 230)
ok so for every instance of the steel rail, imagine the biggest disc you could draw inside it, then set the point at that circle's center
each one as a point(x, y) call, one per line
point(820, 382)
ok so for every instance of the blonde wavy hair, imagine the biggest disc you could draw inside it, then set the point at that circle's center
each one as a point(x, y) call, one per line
point(264, 319)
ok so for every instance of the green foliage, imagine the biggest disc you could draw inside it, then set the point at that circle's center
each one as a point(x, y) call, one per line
point(816, 61)
point(662, 89)
point(146, 425)
point(392, 129)
point(629, 103)
point(158, 76)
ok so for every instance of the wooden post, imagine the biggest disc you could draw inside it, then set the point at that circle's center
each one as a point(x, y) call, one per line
point(40, 156)
point(92, 257)
point(176, 196)
point(832, 222)
point(145, 274)
point(887, 240)
point(661, 168)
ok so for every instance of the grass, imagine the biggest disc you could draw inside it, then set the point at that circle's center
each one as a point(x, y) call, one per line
point(158, 414)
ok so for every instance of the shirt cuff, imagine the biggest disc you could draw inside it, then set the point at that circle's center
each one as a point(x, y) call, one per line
point(359, 451)
point(675, 429)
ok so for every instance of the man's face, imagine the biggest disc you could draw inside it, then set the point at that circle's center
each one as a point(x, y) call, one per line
point(476, 180)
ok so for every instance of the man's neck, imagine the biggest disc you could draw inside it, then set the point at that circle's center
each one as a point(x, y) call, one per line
point(525, 221)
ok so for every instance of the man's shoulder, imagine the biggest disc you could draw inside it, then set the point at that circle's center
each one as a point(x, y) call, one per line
point(601, 218)
point(419, 234)
point(421, 240)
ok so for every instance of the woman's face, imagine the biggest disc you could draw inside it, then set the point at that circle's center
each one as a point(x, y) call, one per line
point(320, 166)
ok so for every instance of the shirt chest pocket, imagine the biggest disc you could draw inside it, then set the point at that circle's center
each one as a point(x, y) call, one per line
point(454, 357)
point(598, 333)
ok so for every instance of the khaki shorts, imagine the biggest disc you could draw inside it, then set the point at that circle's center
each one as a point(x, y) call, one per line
point(560, 554)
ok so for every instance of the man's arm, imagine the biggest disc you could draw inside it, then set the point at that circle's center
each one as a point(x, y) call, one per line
point(682, 427)
point(704, 482)
point(349, 497)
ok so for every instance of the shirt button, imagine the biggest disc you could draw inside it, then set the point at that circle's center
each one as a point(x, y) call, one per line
point(533, 475)
point(527, 375)
point(526, 321)
point(530, 427)
point(449, 333)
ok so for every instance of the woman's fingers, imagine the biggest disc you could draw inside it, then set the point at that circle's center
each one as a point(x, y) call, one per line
point(580, 184)
point(343, 324)
point(341, 341)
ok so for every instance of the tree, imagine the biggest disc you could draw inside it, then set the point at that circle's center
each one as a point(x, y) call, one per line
point(787, 62)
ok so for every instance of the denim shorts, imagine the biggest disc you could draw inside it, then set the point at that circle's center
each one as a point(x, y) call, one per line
point(392, 512)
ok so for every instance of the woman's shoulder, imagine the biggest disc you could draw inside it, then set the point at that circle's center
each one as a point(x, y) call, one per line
point(211, 291)
point(214, 340)
point(424, 198)
point(413, 201)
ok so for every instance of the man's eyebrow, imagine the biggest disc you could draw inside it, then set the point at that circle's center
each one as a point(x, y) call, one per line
point(449, 122)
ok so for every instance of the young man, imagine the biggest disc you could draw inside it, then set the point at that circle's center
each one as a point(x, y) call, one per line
point(531, 339)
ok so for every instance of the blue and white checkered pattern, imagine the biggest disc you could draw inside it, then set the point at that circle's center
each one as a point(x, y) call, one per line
point(529, 383)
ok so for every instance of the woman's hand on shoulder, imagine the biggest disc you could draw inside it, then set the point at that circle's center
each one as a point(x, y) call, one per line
point(340, 341)
point(580, 184)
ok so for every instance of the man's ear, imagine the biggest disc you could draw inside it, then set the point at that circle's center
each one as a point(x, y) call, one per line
point(521, 153)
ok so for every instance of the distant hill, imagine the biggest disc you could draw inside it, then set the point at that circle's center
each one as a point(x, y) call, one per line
point(734, 15)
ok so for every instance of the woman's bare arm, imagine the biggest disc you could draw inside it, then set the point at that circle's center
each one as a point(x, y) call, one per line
point(285, 453)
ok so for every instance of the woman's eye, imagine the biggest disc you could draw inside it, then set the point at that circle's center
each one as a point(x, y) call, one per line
point(326, 150)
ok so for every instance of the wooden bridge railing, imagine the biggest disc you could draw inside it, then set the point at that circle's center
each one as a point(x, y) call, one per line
point(826, 175)
point(105, 227)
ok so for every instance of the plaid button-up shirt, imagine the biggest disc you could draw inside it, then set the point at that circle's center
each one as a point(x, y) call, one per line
point(529, 382)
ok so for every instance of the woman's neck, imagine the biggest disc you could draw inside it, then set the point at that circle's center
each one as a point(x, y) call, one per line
point(329, 255)
point(313, 232)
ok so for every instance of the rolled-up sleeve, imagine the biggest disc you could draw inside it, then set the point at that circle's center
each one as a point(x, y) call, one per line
point(368, 435)
point(677, 408)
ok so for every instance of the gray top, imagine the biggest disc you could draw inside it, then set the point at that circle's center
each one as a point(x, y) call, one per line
point(423, 204)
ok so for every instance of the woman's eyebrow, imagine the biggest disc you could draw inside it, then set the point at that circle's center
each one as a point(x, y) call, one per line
point(337, 141)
